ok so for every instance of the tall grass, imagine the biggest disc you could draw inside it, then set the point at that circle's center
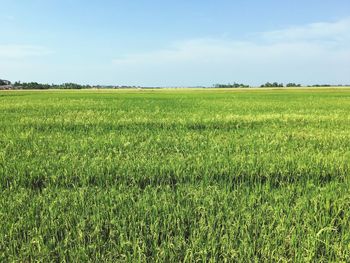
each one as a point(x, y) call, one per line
point(173, 176)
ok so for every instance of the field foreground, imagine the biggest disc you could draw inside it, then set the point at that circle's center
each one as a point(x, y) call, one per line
point(175, 175)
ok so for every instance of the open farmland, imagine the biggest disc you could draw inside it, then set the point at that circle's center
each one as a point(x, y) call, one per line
point(175, 175)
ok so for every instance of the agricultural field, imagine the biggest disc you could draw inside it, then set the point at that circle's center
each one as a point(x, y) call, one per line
point(211, 175)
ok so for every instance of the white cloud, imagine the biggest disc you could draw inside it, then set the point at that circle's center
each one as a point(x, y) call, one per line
point(318, 52)
point(22, 51)
point(328, 32)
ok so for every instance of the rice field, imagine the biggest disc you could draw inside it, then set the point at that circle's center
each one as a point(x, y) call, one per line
point(210, 175)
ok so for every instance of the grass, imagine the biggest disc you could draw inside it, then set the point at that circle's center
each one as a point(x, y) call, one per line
point(175, 175)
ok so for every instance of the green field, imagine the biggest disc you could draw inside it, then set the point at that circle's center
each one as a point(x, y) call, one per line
point(175, 175)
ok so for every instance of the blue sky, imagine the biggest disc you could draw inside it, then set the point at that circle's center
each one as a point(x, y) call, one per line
point(175, 43)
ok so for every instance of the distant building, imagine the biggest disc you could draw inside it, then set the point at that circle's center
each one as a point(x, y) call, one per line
point(6, 87)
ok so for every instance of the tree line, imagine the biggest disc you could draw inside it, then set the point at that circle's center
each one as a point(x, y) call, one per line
point(40, 86)
point(266, 85)
point(275, 85)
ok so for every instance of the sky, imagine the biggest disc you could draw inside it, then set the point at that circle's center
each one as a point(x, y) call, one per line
point(175, 43)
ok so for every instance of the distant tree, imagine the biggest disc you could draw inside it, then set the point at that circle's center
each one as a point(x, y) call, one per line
point(4, 82)
point(271, 85)
point(34, 85)
point(321, 85)
point(229, 85)
point(293, 85)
